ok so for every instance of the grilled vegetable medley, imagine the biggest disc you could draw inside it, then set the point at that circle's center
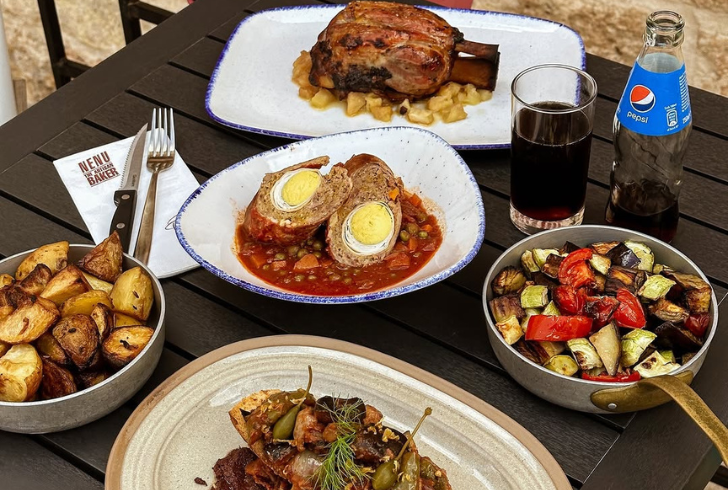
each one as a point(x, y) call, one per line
point(606, 312)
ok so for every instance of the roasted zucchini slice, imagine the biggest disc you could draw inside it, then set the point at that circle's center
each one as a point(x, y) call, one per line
point(585, 354)
point(644, 253)
point(655, 365)
point(540, 255)
point(655, 287)
point(510, 329)
point(508, 281)
point(634, 344)
point(534, 297)
point(528, 263)
point(563, 365)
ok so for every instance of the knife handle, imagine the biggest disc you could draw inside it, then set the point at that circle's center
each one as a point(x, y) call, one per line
point(123, 219)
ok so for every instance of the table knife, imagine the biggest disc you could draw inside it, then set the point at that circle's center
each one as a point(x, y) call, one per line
point(125, 197)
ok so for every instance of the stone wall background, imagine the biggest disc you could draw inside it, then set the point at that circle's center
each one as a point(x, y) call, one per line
point(612, 29)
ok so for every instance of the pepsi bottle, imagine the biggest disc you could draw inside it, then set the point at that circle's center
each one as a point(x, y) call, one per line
point(651, 130)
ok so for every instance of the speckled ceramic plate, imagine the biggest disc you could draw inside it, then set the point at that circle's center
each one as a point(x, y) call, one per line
point(426, 163)
point(181, 429)
point(251, 88)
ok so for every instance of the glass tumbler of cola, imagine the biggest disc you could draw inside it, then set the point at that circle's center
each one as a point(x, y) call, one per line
point(552, 116)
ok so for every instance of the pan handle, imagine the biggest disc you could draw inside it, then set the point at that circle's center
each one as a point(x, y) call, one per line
point(695, 408)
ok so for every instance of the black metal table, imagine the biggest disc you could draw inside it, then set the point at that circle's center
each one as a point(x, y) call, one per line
point(440, 328)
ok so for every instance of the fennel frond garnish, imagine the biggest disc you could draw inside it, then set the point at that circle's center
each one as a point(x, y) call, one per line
point(338, 468)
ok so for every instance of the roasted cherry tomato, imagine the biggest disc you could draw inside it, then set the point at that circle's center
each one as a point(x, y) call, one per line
point(569, 300)
point(574, 271)
point(698, 324)
point(601, 309)
point(617, 378)
point(629, 313)
point(557, 328)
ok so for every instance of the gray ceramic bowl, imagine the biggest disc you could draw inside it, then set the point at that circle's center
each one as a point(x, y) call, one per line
point(570, 392)
point(93, 403)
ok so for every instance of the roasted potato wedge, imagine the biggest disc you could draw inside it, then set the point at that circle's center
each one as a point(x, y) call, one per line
point(84, 303)
point(133, 294)
point(49, 348)
point(35, 282)
point(21, 370)
point(79, 337)
point(66, 284)
point(54, 255)
point(57, 381)
point(104, 261)
point(124, 344)
point(4, 348)
point(103, 317)
point(122, 320)
point(29, 321)
point(91, 378)
point(6, 280)
point(98, 284)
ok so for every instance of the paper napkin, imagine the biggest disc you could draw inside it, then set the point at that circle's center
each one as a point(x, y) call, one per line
point(93, 176)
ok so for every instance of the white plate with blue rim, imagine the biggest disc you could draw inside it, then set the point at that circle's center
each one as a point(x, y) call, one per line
point(251, 88)
point(428, 165)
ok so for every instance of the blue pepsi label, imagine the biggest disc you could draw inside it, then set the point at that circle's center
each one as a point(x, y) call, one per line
point(655, 104)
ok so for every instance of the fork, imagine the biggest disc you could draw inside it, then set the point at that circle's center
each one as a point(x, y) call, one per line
point(160, 156)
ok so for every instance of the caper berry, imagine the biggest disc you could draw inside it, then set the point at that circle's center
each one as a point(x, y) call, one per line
point(318, 245)
point(299, 278)
point(412, 228)
point(280, 256)
point(318, 254)
point(293, 250)
point(265, 267)
point(423, 234)
point(302, 253)
point(404, 236)
point(385, 477)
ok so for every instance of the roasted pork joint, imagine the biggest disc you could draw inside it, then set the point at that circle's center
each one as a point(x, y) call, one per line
point(333, 444)
point(398, 51)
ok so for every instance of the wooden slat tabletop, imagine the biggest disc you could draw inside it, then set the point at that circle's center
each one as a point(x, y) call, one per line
point(440, 329)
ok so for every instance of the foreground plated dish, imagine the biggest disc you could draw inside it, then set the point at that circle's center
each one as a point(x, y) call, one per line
point(90, 404)
point(251, 88)
point(427, 165)
point(179, 431)
point(576, 393)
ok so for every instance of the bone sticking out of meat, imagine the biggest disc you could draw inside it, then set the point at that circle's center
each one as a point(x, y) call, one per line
point(398, 51)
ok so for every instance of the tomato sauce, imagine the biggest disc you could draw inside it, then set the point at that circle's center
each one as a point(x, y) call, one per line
point(288, 267)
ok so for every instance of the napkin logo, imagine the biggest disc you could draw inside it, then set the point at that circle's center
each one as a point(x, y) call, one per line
point(98, 169)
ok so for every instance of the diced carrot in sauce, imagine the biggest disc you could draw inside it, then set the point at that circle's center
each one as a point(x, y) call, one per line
point(400, 247)
point(415, 200)
point(412, 244)
point(279, 264)
point(427, 228)
point(307, 262)
point(398, 261)
point(258, 260)
point(393, 194)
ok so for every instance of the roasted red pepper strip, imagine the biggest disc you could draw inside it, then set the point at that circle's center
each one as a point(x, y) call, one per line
point(557, 328)
point(601, 309)
point(618, 378)
point(698, 324)
point(569, 300)
point(629, 313)
point(574, 271)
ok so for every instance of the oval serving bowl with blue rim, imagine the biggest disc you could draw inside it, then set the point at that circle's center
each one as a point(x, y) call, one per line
point(427, 164)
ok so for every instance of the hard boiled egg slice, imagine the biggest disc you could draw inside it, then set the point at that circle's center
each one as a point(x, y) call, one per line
point(295, 189)
point(368, 228)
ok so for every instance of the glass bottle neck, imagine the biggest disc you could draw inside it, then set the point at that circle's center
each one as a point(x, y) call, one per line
point(662, 50)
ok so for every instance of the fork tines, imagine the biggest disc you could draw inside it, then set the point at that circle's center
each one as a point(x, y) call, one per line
point(162, 141)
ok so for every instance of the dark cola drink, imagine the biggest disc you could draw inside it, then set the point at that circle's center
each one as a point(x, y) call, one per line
point(549, 162)
point(651, 131)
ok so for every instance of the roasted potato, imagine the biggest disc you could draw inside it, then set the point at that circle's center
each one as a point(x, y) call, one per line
point(21, 370)
point(57, 381)
point(35, 282)
point(7, 305)
point(49, 348)
point(91, 378)
point(29, 321)
point(133, 294)
point(98, 284)
point(124, 344)
point(66, 284)
point(4, 348)
point(104, 261)
point(6, 280)
point(54, 255)
point(122, 320)
point(84, 303)
point(79, 337)
point(103, 317)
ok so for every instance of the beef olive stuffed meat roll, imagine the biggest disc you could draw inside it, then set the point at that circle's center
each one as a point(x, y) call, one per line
point(364, 229)
point(292, 203)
